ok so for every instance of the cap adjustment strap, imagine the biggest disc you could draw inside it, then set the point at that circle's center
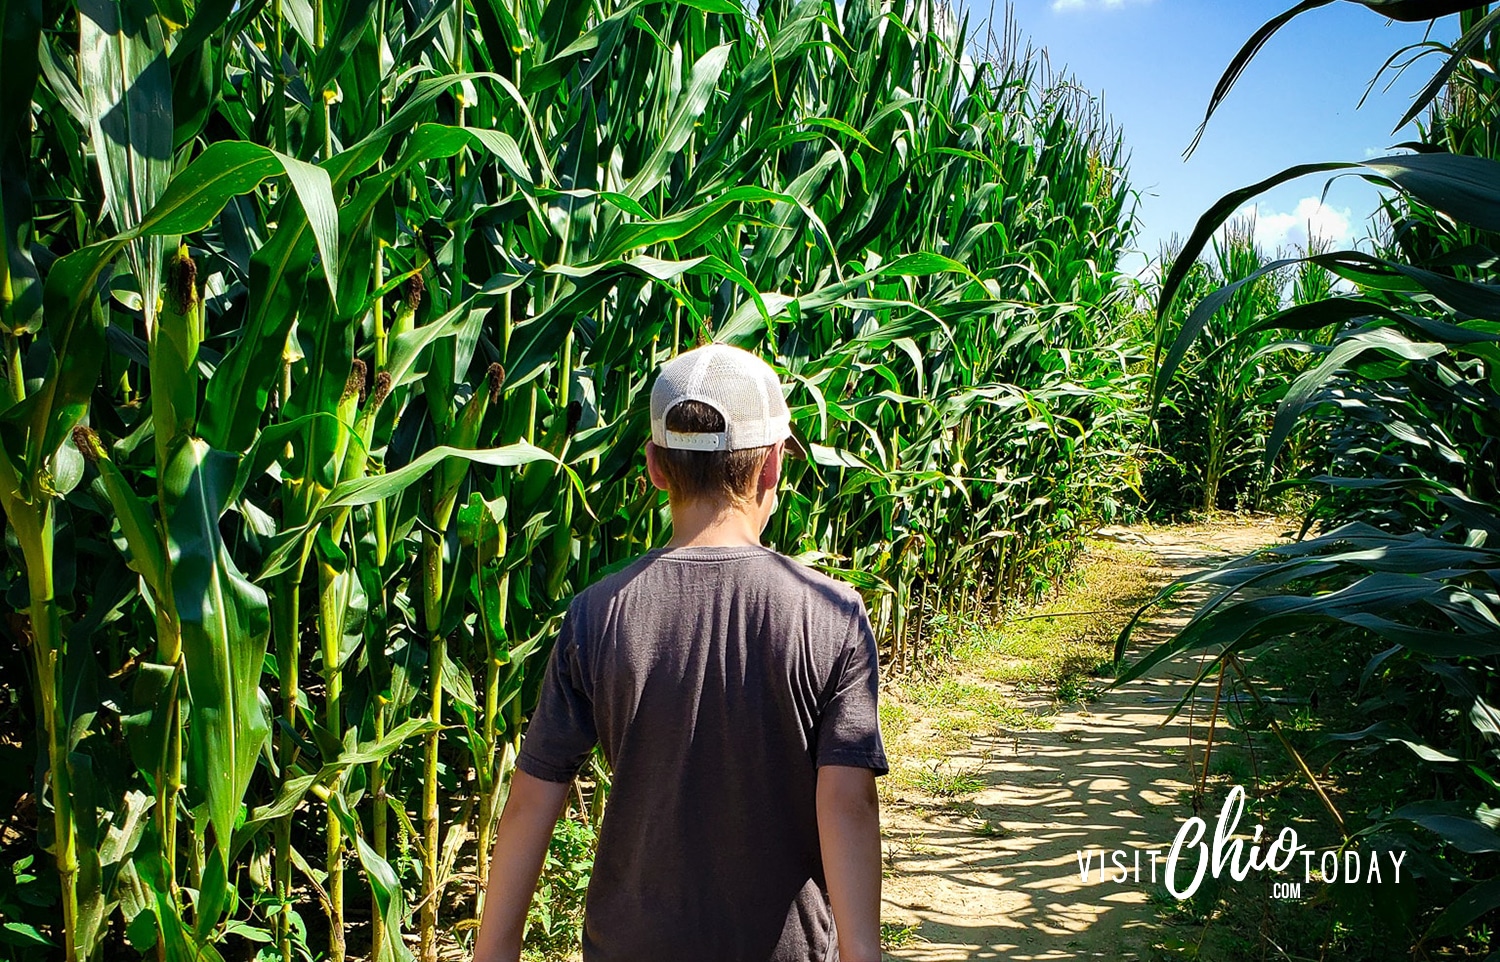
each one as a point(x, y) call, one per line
point(697, 441)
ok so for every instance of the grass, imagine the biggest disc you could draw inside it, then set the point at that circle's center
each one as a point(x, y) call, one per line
point(893, 935)
point(1064, 647)
point(895, 719)
point(1009, 675)
point(948, 784)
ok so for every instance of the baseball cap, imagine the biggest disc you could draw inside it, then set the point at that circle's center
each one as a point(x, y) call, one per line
point(734, 382)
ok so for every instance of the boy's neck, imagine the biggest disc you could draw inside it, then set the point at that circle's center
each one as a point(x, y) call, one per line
point(705, 524)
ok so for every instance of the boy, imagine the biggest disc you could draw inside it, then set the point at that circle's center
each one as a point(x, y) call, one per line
point(734, 694)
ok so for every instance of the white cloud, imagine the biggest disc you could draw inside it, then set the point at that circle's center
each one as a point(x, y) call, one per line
point(1276, 229)
point(1069, 6)
point(1373, 152)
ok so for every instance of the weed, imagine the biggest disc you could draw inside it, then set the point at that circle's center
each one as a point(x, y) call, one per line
point(894, 718)
point(910, 845)
point(893, 935)
point(555, 922)
point(961, 724)
point(1072, 688)
point(950, 784)
point(915, 843)
point(1231, 763)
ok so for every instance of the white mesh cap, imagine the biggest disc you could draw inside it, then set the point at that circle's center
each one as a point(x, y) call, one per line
point(734, 382)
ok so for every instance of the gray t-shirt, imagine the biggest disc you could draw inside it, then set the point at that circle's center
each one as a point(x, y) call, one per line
point(717, 680)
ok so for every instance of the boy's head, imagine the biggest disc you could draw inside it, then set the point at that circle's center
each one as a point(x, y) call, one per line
point(717, 414)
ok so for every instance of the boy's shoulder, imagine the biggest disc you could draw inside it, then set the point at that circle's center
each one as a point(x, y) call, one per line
point(841, 594)
point(760, 563)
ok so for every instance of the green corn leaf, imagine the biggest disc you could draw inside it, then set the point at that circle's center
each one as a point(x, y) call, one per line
point(1260, 619)
point(177, 938)
point(1415, 11)
point(146, 554)
point(213, 896)
point(538, 339)
point(1395, 732)
point(839, 126)
point(315, 193)
point(294, 790)
point(708, 217)
point(1465, 910)
point(241, 386)
point(225, 623)
point(208, 16)
point(1468, 296)
point(1467, 188)
point(506, 150)
point(127, 86)
point(154, 689)
point(268, 448)
point(1466, 44)
point(47, 416)
point(1408, 10)
point(25, 935)
point(1385, 340)
point(288, 797)
point(327, 337)
point(685, 114)
point(604, 37)
point(195, 197)
point(382, 748)
point(925, 264)
point(1454, 823)
point(1463, 187)
point(384, 883)
point(378, 487)
point(354, 17)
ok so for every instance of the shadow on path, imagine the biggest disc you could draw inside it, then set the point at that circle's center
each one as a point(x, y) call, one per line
point(1110, 776)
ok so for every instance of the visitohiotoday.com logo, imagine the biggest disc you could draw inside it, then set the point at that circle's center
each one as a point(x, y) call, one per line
point(1193, 856)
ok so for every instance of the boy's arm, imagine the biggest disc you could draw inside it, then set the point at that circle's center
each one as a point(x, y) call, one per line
point(521, 841)
point(849, 833)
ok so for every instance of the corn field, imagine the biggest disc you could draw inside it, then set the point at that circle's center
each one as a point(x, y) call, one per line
point(1216, 405)
point(1398, 412)
point(327, 326)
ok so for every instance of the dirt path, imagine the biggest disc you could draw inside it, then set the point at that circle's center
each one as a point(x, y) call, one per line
point(996, 873)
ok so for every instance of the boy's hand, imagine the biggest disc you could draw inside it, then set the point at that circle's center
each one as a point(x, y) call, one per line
point(849, 832)
point(521, 841)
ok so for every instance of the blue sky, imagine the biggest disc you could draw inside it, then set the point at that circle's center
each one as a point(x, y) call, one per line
point(1156, 61)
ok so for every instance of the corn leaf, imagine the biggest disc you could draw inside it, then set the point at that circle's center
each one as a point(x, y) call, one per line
point(225, 623)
